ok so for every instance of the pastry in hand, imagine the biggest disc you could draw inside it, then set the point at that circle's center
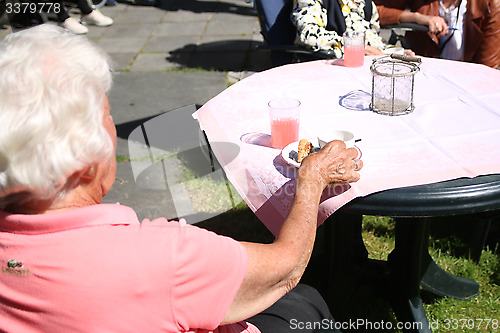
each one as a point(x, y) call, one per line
point(305, 148)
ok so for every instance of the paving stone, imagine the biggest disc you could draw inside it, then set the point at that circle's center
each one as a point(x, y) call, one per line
point(174, 29)
point(186, 16)
point(96, 32)
point(122, 61)
point(138, 95)
point(171, 44)
point(130, 30)
point(240, 27)
point(122, 44)
point(150, 62)
point(136, 14)
point(114, 11)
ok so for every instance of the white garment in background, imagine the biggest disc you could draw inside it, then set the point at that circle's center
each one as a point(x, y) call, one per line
point(454, 17)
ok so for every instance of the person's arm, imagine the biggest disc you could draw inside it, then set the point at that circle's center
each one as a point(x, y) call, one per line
point(274, 269)
point(375, 47)
point(395, 11)
point(437, 25)
point(390, 10)
point(310, 17)
point(388, 15)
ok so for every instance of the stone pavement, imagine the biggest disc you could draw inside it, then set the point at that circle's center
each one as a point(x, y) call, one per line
point(211, 35)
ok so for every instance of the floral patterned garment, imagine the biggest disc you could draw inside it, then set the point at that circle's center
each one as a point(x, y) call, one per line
point(309, 16)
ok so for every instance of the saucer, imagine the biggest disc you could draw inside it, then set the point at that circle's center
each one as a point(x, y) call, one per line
point(290, 152)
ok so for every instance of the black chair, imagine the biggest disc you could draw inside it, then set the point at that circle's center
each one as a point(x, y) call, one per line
point(399, 30)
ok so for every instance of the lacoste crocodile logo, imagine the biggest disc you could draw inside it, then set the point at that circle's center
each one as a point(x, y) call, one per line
point(14, 267)
point(12, 263)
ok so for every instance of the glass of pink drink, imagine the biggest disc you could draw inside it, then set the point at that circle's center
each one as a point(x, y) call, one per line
point(285, 115)
point(354, 48)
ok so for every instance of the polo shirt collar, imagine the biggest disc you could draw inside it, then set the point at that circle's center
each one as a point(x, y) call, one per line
point(94, 215)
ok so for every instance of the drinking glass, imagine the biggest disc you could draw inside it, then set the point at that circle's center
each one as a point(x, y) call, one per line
point(285, 119)
point(354, 48)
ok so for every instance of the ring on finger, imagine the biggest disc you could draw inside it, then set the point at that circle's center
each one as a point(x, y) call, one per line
point(340, 171)
point(358, 164)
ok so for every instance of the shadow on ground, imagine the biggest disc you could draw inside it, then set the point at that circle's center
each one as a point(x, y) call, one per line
point(228, 55)
point(206, 7)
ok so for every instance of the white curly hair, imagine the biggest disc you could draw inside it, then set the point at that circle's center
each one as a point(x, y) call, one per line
point(52, 89)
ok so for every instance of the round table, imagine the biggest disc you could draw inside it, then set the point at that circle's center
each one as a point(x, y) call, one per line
point(453, 197)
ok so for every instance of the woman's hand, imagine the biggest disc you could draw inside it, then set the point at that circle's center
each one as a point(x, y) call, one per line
point(334, 163)
point(437, 26)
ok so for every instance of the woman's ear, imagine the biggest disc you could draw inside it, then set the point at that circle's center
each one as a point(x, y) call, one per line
point(89, 173)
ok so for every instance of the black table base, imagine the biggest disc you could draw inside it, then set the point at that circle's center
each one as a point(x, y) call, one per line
point(409, 266)
point(399, 279)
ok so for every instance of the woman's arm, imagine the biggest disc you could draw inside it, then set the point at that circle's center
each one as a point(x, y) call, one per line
point(437, 25)
point(396, 11)
point(274, 269)
point(375, 44)
point(388, 15)
point(390, 10)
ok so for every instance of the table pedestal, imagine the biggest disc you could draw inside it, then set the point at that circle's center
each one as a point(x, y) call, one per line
point(398, 280)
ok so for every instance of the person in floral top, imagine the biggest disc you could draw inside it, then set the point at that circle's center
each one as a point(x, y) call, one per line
point(321, 23)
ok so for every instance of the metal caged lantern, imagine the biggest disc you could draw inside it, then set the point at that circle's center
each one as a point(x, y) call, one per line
point(392, 84)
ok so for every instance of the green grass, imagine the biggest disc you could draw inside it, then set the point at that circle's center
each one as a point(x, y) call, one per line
point(450, 250)
point(448, 246)
point(209, 195)
point(188, 70)
point(122, 159)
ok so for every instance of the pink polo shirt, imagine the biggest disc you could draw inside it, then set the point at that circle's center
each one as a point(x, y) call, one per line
point(98, 269)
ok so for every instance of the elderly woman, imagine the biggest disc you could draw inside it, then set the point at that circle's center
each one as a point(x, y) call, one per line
point(72, 264)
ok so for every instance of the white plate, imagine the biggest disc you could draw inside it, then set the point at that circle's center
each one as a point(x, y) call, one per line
point(290, 152)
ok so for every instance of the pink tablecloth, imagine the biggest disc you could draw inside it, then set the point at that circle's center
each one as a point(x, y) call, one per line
point(454, 131)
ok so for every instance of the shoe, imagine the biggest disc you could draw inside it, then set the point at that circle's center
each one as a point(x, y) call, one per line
point(74, 26)
point(97, 18)
point(111, 3)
